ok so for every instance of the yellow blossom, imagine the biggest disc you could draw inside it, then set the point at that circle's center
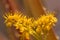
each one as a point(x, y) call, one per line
point(11, 18)
point(38, 29)
point(29, 25)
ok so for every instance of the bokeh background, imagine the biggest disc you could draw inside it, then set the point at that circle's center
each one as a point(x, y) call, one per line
point(51, 5)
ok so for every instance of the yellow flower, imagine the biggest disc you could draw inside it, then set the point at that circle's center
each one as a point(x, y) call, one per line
point(38, 29)
point(28, 25)
point(8, 24)
point(48, 19)
point(11, 18)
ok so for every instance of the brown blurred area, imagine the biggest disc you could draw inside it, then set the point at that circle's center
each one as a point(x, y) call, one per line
point(3, 37)
point(3, 32)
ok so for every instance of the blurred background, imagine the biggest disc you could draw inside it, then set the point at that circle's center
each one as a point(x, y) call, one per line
point(51, 5)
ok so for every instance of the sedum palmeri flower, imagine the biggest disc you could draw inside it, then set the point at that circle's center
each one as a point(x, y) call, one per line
point(11, 18)
point(30, 26)
point(46, 21)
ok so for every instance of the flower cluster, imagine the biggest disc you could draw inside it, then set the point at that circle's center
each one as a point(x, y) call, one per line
point(46, 21)
point(29, 25)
